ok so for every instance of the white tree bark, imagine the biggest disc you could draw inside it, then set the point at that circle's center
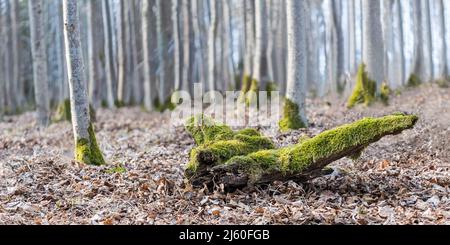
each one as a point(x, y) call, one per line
point(186, 45)
point(15, 77)
point(160, 48)
point(39, 62)
point(92, 54)
point(227, 17)
point(401, 43)
point(107, 53)
point(212, 32)
point(296, 64)
point(249, 36)
point(428, 43)
point(134, 88)
point(373, 47)
point(176, 42)
point(351, 36)
point(121, 50)
point(443, 57)
point(86, 146)
point(145, 20)
point(198, 42)
point(260, 26)
point(419, 58)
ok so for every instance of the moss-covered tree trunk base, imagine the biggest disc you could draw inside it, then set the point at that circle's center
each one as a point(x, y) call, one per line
point(301, 162)
point(87, 150)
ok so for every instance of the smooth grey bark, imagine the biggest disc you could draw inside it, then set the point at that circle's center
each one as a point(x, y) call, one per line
point(338, 33)
point(401, 43)
point(199, 61)
point(442, 26)
point(187, 57)
point(92, 53)
point(229, 37)
point(15, 76)
point(212, 33)
point(296, 55)
point(373, 48)
point(419, 41)
point(121, 50)
point(260, 35)
point(39, 62)
point(107, 53)
point(428, 43)
point(273, 19)
point(160, 49)
point(177, 43)
point(249, 36)
point(352, 36)
point(145, 21)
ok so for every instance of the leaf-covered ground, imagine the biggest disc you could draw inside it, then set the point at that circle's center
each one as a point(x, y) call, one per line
point(402, 179)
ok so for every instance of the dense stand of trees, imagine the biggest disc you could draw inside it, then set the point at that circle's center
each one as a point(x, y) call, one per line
point(137, 52)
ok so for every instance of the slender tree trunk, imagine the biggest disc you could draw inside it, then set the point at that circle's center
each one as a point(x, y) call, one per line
point(160, 48)
point(352, 36)
point(121, 50)
point(15, 78)
point(186, 45)
point(86, 148)
point(373, 47)
point(260, 25)
point(176, 42)
point(401, 43)
point(339, 44)
point(443, 58)
point(249, 36)
point(92, 59)
point(134, 63)
point(39, 62)
point(273, 11)
point(198, 41)
point(212, 32)
point(227, 16)
point(419, 58)
point(107, 54)
point(294, 108)
point(145, 20)
point(428, 37)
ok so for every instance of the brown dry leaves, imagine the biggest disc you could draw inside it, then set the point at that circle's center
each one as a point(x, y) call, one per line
point(402, 179)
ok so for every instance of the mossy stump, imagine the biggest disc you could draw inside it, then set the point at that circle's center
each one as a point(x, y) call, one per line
point(87, 150)
point(300, 162)
point(365, 89)
point(291, 117)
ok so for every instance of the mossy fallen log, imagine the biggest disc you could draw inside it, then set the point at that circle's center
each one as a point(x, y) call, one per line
point(303, 161)
point(217, 143)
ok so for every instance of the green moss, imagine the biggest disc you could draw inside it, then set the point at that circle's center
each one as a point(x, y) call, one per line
point(167, 105)
point(291, 117)
point(271, 87)
point(246, 84)
point(443, 82)
point(385, 91)
point(63, 112)
point(413, 81)
point(204, 130)
point(364, 91)
point(218, 143)
point(119, 103)
point(316, 153)
point(87, 150)
point(117, 169)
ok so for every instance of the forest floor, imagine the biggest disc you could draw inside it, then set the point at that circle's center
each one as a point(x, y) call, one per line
point(402, 179)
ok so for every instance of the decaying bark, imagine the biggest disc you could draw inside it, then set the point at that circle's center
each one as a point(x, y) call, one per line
point(217, 159)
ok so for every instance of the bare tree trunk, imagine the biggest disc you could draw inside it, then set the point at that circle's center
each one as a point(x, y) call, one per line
point(249, 36)
point(260, 26)
point(107, 53)
point(373, 47)
point(294, 109)
point(177, 46)
point(39, 62)
point(15, 78)
point(86, 148)
point(443, 58)
point(212, 32)
point(121, 50)
point(160, 48)
point(339, 44)
point(186, 45)
point(227, 17)
point(145, 19)
point(428, 39)
point(419, 58)
point(92, 59)
point(352, 36)
point(401, 43)
point(198, 41)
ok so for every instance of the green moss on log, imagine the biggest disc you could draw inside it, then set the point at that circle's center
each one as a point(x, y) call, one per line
point(315, 153)
point(87, 150)
point(291, 117)
point(218, 143)
point(365, 89)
